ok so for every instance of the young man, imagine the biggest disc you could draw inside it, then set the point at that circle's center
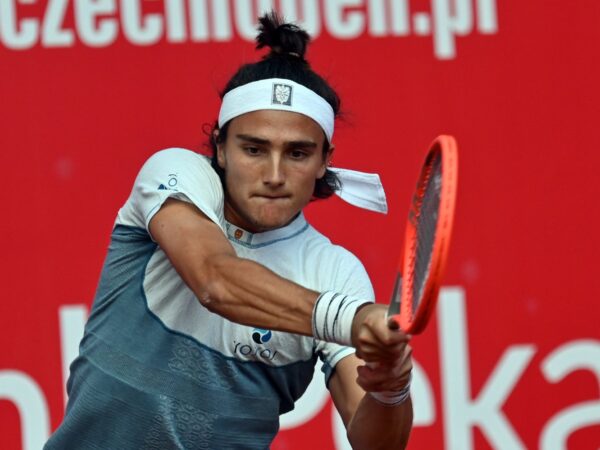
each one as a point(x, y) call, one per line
point(217, 296)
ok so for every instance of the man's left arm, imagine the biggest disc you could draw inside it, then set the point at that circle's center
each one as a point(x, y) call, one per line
point(371, 424)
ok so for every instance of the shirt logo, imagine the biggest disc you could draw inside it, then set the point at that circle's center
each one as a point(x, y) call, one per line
point(282, 94)
point(261, 336)
point(251, 352)
point(171, 185)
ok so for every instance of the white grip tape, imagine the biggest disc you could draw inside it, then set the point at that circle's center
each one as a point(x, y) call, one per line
point(393, 398)
point(333, 314)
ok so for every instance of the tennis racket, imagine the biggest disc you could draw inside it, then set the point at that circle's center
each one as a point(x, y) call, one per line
point(427, 239)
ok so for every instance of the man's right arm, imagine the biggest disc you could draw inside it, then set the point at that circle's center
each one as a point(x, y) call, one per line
point(236, 288)
point(242, 290)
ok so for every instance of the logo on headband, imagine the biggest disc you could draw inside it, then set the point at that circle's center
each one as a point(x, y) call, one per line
point(282, 94)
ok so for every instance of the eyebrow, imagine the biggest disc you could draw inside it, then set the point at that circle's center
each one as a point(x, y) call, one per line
point(260, 141)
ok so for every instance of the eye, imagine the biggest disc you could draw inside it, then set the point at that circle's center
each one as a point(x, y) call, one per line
point(298, 154)
point(252, 150)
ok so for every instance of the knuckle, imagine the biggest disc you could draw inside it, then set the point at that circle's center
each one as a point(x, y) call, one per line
point(388, 340)
point(363, 342)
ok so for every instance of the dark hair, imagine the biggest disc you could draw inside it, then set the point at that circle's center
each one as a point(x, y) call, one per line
point(288, 44)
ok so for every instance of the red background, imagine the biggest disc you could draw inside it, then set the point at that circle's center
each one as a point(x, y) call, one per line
point(77, 122)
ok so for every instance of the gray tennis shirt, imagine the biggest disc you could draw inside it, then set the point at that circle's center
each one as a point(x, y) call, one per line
point(157, 370)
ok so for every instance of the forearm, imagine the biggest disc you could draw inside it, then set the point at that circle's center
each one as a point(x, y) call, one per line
point(236, 288)
point(376, 426)
point(246, 292)
point(242, 290)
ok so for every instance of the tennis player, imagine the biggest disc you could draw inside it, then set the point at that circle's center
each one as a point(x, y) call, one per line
point(217, 297)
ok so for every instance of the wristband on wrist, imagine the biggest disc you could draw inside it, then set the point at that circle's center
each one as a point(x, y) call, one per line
point(332, 318)
point(393, 398)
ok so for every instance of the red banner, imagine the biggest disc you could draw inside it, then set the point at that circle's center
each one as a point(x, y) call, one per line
point(90, 88)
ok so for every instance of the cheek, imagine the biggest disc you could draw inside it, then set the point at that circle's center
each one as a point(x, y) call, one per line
point(306, 186)
point(238, 179)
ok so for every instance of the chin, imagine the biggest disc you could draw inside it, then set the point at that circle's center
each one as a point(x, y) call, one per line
point(273, 222)
point(267, 225)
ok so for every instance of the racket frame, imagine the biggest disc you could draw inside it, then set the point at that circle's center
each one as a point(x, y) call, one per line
point(401, 304)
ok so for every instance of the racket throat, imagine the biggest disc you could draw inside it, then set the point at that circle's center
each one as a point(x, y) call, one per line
point(394, 307)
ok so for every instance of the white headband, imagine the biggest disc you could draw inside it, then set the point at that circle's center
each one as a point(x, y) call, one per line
point(279, 94)
point(358, 188)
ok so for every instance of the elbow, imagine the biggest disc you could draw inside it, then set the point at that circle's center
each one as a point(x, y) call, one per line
point(210, 285)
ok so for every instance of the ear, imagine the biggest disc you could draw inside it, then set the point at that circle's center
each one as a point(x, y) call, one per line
point(326, 161)
point(220, 150)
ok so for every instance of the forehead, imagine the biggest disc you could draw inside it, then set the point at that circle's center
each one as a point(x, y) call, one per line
point(274, 125)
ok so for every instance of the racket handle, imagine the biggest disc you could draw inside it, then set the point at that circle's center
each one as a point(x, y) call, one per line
point(392, 325)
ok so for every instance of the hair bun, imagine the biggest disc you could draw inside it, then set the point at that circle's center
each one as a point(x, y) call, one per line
point(284, 39)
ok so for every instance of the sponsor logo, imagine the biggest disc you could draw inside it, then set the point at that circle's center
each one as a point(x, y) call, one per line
point(261, 336)
point(201, 22)
point(252, 352)
point(170, 185)
point(282, 94)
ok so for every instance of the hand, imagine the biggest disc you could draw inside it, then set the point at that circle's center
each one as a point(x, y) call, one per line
point(386, 376)
point(377, 339)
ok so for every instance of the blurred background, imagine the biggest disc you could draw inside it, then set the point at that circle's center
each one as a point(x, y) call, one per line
point(91, 88)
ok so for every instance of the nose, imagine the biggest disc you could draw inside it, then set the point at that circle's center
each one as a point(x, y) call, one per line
point(274, 174)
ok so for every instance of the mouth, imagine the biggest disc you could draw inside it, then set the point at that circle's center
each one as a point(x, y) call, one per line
point(272, 197)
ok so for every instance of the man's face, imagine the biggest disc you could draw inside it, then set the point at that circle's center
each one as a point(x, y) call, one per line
point(272, 160)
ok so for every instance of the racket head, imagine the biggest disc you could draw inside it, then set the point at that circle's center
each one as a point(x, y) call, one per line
point(427, 239)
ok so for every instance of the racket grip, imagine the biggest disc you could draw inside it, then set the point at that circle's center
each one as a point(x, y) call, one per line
point(392, 325)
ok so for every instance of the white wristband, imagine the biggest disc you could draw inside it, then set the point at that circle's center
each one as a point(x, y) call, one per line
point(333, 314)
point(393, 398)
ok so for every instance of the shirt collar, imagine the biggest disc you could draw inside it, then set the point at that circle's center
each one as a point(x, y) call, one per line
point(255, 240)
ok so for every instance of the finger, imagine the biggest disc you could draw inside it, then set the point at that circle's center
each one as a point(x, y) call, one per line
point(371, 384)
point(393, 324)
point(370, 380)
point(381, 369)
point(381, 379)
point(387, 337)
point(372, 354)
point(390, 341)
point(375, 375)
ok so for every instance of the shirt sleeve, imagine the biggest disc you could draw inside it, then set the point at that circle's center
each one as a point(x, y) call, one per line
point(352, 279)
point(173, 173)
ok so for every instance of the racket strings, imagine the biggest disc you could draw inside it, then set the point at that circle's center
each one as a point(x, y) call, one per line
point(426, 218)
